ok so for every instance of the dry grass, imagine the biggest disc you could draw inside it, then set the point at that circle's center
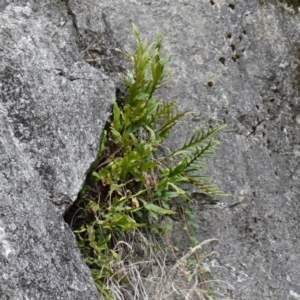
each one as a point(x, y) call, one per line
point(149, 273)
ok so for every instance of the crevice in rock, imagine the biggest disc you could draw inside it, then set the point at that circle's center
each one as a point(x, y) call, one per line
point(73, 215)
point(72, 15)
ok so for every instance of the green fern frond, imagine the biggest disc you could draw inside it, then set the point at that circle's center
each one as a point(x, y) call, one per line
point(205, 186)
point(117, 118)
point(164, 110)
point(170, 122)
point(198, 158)
point(198, 137)
point(134, 178)
point(179, 168)
point(149, 66)
point(103, 143)
point(166, 117)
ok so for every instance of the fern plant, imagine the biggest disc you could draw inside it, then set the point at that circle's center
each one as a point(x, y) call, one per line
point(132, 182)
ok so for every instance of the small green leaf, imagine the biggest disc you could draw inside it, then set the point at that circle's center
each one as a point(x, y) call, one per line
point(117, 117)
point(157, 209)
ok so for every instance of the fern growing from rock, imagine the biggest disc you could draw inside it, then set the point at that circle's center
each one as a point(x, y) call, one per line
point(132, 181)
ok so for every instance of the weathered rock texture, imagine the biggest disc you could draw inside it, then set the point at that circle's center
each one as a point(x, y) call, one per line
point(232, 62)
point(52, 109)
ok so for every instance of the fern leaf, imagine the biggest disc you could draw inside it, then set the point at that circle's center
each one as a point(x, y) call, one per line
point(169, 119)
point(198, 137)
point(206, 187)
point(164, 110)
point(198, 158)
point(103, 143)
point(117, 117)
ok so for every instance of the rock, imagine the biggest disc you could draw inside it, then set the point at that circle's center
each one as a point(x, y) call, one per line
point(53, 106)
point(232, 62)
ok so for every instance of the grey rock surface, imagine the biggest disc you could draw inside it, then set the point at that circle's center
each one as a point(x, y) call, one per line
point(230, 63)
point(233, 64)
point(53, 106)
